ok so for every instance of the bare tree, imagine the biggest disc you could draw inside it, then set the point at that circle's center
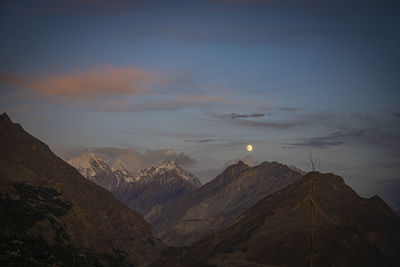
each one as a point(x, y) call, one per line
point(315, 164)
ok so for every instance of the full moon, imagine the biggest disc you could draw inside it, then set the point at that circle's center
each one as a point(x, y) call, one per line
point(249, 148)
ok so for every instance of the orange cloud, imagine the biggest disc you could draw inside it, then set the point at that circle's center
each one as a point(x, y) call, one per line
point(93, 82)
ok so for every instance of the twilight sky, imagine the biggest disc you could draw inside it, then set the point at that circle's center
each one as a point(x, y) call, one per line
point(207, 77)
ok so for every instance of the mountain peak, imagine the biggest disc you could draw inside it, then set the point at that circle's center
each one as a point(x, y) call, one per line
point(4, 117)
point(171, 162)
point(324, 178)
point(170, 165)
point(119, 165)
point(234, 169)
point(240, 162)
point(89, 165)
point(120, 170)
point(171, 169)
point(70, 220)
point(84, 160)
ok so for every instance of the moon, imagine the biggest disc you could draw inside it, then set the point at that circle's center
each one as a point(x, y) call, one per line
point(249, 148)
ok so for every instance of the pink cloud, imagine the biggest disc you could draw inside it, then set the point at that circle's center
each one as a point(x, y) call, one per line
point(92, 82)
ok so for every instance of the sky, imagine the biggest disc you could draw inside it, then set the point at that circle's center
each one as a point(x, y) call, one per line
point(205, 78)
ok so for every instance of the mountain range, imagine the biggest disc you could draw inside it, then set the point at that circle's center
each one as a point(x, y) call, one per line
point(153, 186)
point(266, 215)
point(180, 210)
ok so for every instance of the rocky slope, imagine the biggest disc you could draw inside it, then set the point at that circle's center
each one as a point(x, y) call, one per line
point(218, 203)
point(316, 221)
point(51, 214)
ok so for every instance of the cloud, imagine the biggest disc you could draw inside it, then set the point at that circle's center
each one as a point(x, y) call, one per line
point(397, 115)
point(333, 139)
point(247, 119)
point(237, 119)
point(133, 159)
point(237, 115)
point(200, 140)
point(89, 83)
point(164, 103)
point(270, 124)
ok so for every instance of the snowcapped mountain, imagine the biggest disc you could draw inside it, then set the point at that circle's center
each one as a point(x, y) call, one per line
point(96, 170)
point(156, 186)
point(166, 173)
point(89, 165)
point(121, 172)
point(150, 187)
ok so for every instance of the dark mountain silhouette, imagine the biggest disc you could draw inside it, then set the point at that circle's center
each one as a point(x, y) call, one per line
point(316, 221)
point(215, 205)
point(50, 214)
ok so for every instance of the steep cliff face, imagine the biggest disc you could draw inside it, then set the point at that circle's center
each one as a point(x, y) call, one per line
point(51, 214)
point(218, 203)
point(316, 221)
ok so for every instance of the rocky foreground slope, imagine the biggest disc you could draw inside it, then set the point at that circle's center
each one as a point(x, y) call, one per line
point(51, 214)
point(316, 221)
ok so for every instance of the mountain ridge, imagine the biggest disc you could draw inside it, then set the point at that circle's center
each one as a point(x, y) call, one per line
point(216, 204)
point(317, 220)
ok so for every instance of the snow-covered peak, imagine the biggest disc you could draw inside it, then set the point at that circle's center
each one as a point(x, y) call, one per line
point(170, 165)
point(84, 160)
point(121, 172)
point(119, 166)
point(167, 171)
point(89, 164)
